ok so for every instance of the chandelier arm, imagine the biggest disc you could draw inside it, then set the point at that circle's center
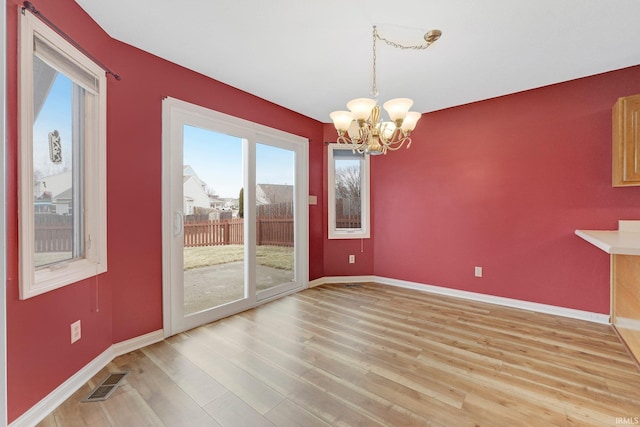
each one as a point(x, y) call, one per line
point(393, 148)
point(356, 145)
point(398, 144)
point(395, 141)
point(396, 137)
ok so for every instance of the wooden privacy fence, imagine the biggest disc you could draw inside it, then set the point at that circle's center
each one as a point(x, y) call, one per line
point(269, 231)
point(347, 222)
point(214, 233)
point(275, 210)
point(53, 233)
point(274, 231)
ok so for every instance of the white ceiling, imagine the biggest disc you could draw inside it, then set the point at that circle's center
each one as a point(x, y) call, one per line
point(314, 56)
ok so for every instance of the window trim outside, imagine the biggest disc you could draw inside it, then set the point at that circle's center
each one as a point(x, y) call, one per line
point(35, 282)
point(364, 232)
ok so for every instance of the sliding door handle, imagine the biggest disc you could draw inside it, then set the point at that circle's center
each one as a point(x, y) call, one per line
point(178, 224)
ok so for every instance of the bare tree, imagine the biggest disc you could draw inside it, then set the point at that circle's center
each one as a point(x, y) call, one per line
point(347, 179)
point(348, 182)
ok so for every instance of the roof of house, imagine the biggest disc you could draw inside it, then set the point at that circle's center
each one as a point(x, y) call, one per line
point(267, 194)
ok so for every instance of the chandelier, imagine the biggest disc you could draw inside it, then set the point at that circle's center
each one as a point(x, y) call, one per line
point(361, 126)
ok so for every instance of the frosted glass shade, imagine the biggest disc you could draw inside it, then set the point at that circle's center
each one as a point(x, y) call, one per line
point(361, 107)
point(397, 108)
point(354, 131)
point(341, 119)
point(410, 121)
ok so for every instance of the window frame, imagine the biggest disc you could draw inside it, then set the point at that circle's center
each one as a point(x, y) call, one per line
point(364, 232)
point(34, 281)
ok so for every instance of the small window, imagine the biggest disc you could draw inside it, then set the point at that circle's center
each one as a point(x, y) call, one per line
point(348, 193)
point(62, 162)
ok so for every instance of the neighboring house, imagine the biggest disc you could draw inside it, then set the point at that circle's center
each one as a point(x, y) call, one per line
point(64, 202)
point(54, 194)
point(217, 203)
point(194, 192)
point(230, 203)
point(271, 194)
point(199, 199)
point(188, 171)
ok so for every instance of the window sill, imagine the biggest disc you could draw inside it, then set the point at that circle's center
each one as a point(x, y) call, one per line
point(48, 279)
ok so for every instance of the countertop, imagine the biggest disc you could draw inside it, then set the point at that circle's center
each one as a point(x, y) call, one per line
point(624, 241)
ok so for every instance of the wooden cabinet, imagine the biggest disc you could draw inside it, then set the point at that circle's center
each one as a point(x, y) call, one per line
point(625, 300)
point(626, 141)
point(624, 247)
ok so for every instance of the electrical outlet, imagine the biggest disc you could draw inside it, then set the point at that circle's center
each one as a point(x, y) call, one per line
point(352, 259)
point(478, 272)
point(76, 331)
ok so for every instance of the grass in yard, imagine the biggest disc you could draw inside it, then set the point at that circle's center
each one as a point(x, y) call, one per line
point(271, 256)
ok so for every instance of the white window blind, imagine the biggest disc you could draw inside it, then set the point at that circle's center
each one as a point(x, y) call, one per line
point(61, 62)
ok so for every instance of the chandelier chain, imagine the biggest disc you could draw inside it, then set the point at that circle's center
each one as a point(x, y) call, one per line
point(377, 35)
point(374, 86)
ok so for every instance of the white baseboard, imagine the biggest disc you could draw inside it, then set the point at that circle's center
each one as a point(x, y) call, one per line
point(507, 302)
point(133, 344)
point(473, 296)
point(54, 399)
point(341, 279)
point(623, 322)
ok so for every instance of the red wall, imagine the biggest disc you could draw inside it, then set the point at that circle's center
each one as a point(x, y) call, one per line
point(503, 184)
point(126, 301)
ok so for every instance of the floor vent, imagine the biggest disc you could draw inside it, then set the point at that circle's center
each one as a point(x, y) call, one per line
point(108, 386)
point(352, 285)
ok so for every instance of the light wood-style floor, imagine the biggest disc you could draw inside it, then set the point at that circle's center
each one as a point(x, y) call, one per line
point(376, 355)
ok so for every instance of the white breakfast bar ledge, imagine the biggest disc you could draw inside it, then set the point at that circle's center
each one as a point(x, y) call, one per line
point(624, 247)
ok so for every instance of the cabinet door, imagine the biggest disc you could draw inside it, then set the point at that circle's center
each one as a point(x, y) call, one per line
point(626, 141)
point(625, 299)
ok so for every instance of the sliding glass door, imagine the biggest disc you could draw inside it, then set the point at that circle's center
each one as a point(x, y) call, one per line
point(234, 215)
point(213, 259)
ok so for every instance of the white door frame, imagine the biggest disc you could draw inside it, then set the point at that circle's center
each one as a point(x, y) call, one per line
point(176, 114)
